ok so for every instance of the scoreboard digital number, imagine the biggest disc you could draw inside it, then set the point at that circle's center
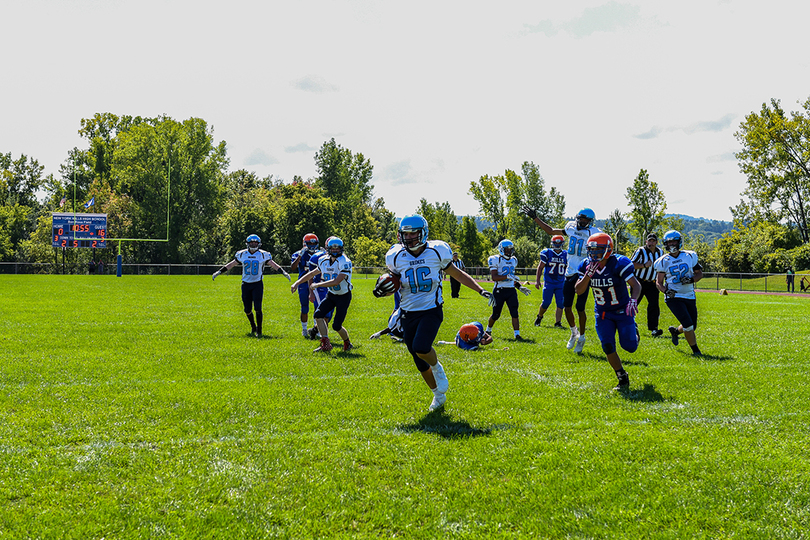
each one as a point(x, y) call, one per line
point(79, 230)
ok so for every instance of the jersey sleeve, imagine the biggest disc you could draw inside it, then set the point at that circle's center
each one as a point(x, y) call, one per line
point(445, 254)
point(390, 259)
point(624, 267)
point(493, 262)
point(346, 266)
point(658, 265)
point(570, 228)
point(582, 267)
point(544, 256)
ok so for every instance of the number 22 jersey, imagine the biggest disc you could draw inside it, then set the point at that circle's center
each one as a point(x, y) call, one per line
point(421, 276)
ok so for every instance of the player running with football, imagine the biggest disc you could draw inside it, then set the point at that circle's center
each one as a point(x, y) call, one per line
point(553, 264)
point(502, 270)
point(677, 271)
point(578, 232)
point(299, 262)
point(253, 260)
point(608, 275)
point(336, 271)
point(419, 265)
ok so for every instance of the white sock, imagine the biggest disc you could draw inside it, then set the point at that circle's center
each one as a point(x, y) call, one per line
point(574, 331)
point(489, 330)
point(436, 392)
point(304, 326)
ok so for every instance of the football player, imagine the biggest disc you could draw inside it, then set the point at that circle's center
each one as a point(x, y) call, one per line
point(608, 275)
point(677, 271)
point(553, 264)
point(471, 336)
point(253, 260)
point(420, 265)
point(578, 232)
point(502, 270)
point(336, 271)
point(300, 262)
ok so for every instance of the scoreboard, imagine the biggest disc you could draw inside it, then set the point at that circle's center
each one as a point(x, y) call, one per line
point(79, 230)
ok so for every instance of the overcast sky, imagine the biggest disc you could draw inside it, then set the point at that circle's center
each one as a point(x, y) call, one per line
point(435, 94)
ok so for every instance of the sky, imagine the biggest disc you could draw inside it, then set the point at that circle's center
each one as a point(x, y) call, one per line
point(435, 94)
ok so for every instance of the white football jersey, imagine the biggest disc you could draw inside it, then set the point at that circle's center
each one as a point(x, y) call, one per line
point(577, 251)
point(504, 267)
point(421, 276)
point(330, 270)
point(676, 268)
point(252, 264)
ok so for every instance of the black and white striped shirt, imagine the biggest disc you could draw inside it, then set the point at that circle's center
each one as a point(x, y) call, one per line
point(641, 256)
point(459, 264)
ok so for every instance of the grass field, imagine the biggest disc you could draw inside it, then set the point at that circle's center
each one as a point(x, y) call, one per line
point(138, 407)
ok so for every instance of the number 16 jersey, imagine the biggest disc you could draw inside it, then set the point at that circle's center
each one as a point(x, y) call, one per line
point(421, 276)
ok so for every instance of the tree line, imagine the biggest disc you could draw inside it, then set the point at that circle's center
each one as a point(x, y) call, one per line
point(163, 179)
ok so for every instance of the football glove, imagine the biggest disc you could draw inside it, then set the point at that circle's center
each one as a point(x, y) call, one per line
point(670, 293)
point(632, 308)
point(687, 279)
point(593, 266)
point(529, 211)
point(286, 275)
point(383, 288)
point(523, 289)
point(376, 335)
point(489, 296)
point(214, 276)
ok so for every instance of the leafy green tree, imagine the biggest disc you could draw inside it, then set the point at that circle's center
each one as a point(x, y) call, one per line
point(647, 206)
point(442, 221)
point(487, 191)
point(550, 205)
point(473, 245)
point(345, 178)
point(19, 180)
point(369, 252)
point(775, 157)
point(527, 252)
point(616, 227)
point(386, 221)
point(760, 247)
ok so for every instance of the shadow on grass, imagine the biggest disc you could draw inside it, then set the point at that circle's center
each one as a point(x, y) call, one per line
point(712, 357)
point(264, 336)
point(441, 424)
point(647, 394)
point(522, 340)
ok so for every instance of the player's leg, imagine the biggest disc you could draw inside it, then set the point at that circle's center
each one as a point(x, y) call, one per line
point(627, 330)
point(410, 322)
point(247, 303)
point(513, 303)
point(258, 296)
point(606, 331)
point(689, 331)
point(325, 307)
point(424, 336)
point(569, 294)
point(496, 309)
point(548, 295)
point(680, 309)
point(582, 299)
point(342, 303)
point(303, 299)
point(560, 302)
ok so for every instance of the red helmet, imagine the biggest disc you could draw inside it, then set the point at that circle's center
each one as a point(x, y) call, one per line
point(469, 332)
point(557, 241)
point(311, 242)
point(599, 246)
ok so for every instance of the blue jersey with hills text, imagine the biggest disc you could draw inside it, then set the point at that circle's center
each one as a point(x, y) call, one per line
point(473, 344)
point(609, 285)
point(555, 265)
point(421, 276)
point(303, 264)
point(252, 264)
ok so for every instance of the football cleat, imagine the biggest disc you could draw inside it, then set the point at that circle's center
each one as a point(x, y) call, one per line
point(657, 333)
point(572, 341)
point(674, 334)
point(624, 382)
point(558, 325)
point(580, 345)
point(347, 346)
point(438, 402)
point(312, 333)
point(325, 346)
point(538, 320)
point(442, 384)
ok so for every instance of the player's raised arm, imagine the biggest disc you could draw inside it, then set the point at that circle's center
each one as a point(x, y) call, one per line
point(224, 269)
point(532, 213)
point(275, 265)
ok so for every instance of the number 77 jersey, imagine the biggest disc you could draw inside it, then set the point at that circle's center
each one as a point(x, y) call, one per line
point(421, 276)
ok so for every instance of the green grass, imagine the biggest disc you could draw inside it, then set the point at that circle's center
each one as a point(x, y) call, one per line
point(138, 407)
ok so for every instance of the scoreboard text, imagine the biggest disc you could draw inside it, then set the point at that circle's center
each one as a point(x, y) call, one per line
point(79, 230)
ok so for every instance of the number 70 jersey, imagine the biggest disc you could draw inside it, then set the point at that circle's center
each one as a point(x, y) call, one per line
point(421, 276)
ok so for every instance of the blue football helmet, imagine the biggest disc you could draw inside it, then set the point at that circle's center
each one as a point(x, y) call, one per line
point(506, 248)
point(413, 223)
point(584, 218)
point(253, 243)
point(673, 241)
point(334, 246)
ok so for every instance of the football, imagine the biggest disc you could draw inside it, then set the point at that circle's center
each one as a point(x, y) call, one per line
point(386, 285)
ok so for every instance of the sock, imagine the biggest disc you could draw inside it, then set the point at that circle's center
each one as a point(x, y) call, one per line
point(252, 321)
point(436, 392)
point(695, 349)
point(304, 326)
point(574, 331)
point(517, 333)
point(347, 342)
point(620, 373)
point(489, 330)
point(259, 317)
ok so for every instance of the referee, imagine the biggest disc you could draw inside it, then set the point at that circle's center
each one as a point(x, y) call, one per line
point(643, 260)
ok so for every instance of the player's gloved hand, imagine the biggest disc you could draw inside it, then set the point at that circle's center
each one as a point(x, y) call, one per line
point(529, 211)
point(632, 308)
point(593, 266)
point(489, 296)
point(669, 293)
point(286, 275)
point(524, 290)
point(214, 275)
point(375, 335)
point(687, 279)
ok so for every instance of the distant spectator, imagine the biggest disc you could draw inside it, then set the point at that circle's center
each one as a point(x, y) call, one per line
point(804, 284)
point(790, 274)
point(100, 267)
point(92, 265)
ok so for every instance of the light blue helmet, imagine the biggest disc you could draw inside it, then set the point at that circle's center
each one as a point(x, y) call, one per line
point(413, 223)
point(673, 241)
point(585, 218)
point(334, 246)
point(506, 248)
point(253, 238)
